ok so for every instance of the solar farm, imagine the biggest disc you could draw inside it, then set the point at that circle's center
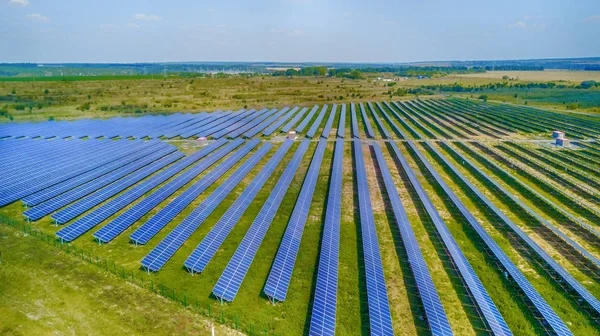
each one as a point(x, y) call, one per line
point(425, 216)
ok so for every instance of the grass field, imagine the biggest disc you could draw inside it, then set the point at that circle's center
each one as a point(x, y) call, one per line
point(575, 77)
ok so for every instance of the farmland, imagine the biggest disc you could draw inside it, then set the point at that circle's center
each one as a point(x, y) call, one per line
point(464, 202)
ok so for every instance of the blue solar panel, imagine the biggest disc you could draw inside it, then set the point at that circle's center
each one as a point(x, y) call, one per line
point(238, 118)
point(85, 223)
point(133, 214)
point(354, 122)
point(145, 232)
point(384, 131)
point(294, 120)
point(341, 131)
point(239, 124)
point(313, 129)
point(231, 279)
point(307, 119)
point(182, 232)
point(198, 260)
point(488, 309)
point(258, 128)
point(322, 320)
point(100, 214)
point(281, 272)
point(241, 130)
point(329, 123)
point(60, 201)
point(280, 122)
point(365, 118)
point(380, 319)
point(436, 316)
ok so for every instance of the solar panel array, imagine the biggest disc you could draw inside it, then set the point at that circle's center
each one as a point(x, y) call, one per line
point(149, 229)
point(380, 319)
point(112, 174)
point(204, 252)
point(231, 279)
point(322, 320)
point(173, 241)
point(281, 272)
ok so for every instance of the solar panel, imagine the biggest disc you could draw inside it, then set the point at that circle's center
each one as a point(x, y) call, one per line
point(85, 223)
point(60, 201)
point(322, 320)
point(354, 122)
point(294, 120)
point(307, 119)
point(258, 128)
point(281, 271)
point(280, 122)
point(380, 319)
point(239, 124)
point(434, 311)
point(241, 130)
point(231, 279)
point(182, 232)
point(490, 314)
point(202, 254)
point(365, 118)
point(384, 131)
point(145, 232)
point(341, 131)
point(329, 123)
point(313, 129)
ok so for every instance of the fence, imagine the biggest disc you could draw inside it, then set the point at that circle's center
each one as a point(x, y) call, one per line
point(140, 280)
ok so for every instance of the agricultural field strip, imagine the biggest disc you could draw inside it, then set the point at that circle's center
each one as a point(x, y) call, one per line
point(354, 122)
point(237, 125)
point(157, 222)
point(280, 275)
point(380, 319)
point(341, 131)
point(323, 313)
point(83, 224)
point(434, 311)
point(329, 123)
point(110, 169)
point(100, 214)
point(307, 119)
point(56, 174)
point(182, 232)
point(367, 123)
point(231, 279)
point(133, 214)
point(287, 127)
point(315, 125)
point(71, 196)
point(209, 245)
point(271, 129)
point(260, 127)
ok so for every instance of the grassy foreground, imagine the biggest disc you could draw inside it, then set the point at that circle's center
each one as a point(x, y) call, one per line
point(45, 291)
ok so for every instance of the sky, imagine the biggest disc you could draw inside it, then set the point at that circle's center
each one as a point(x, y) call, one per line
point(55, 31)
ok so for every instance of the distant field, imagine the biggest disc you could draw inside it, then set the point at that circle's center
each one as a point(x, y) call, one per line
point(536, 76)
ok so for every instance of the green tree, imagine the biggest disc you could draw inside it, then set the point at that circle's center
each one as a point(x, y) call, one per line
point(46, 91)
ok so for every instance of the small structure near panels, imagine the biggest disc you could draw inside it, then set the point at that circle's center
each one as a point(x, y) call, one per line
point(558, 134)
point(563, 142)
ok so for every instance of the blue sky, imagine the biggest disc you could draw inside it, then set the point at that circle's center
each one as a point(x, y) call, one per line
point(296, 30)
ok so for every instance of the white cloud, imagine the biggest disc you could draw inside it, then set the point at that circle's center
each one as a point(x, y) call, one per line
point(296, 32)
point(146, 17)
point(133, 25)
point(37, 17)
point(276, 30)
point(592, 18)
point(19, 2)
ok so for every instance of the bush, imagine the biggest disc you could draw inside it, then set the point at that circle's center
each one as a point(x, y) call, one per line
point(483, 97)
point(51, 118)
